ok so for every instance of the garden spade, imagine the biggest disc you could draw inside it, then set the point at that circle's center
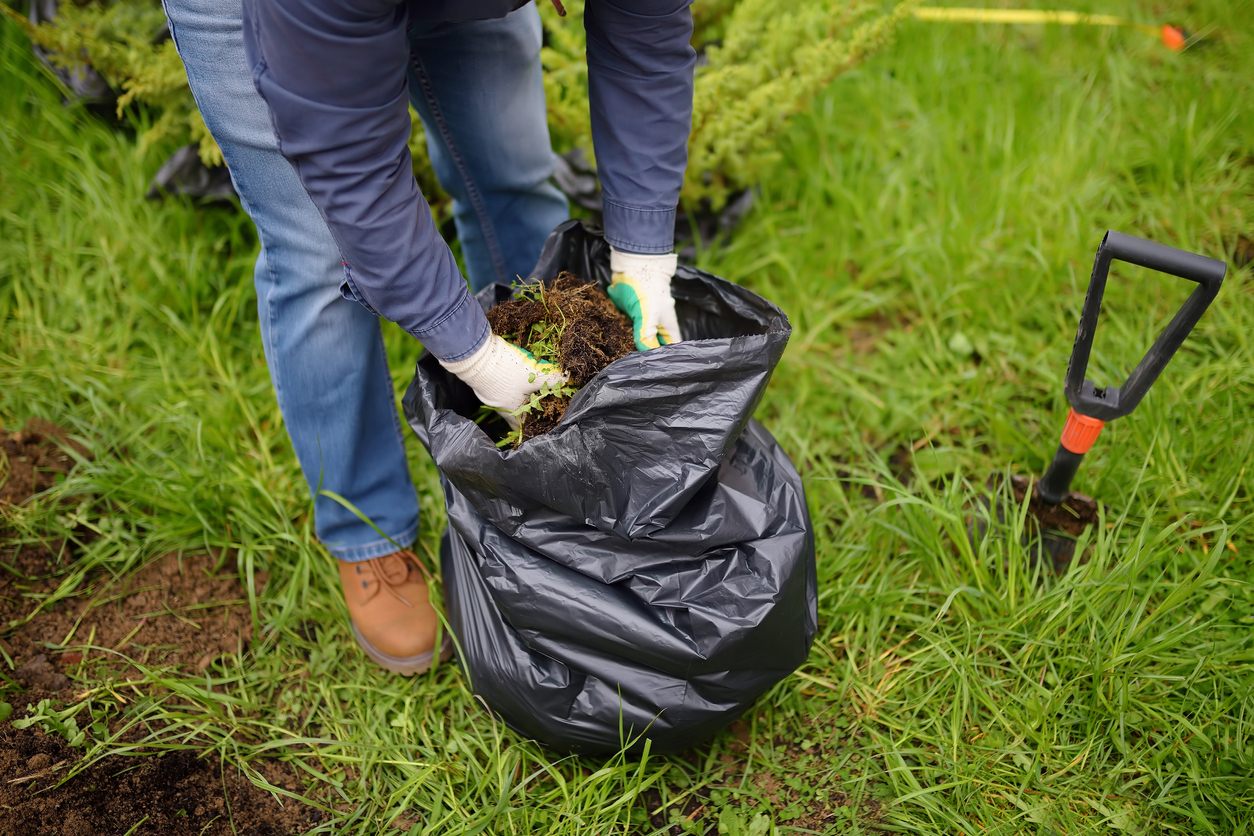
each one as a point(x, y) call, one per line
point(1060, 514)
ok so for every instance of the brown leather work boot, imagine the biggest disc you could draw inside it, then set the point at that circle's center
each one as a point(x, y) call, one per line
point(392, 615)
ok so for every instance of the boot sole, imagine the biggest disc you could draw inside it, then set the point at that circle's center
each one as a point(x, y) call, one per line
point(404, 665)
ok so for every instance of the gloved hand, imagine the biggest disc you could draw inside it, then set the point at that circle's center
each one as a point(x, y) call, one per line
point(640, 286)
point(504, 375)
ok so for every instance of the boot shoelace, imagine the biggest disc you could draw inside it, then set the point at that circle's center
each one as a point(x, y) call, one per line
point(390, 571)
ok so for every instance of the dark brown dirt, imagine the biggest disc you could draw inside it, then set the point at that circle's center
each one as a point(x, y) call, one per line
point(1050, 530)
point(594, 333)
point(866, 334)
point(178, 610)
point(1072, 517)
point(32, 460)
point(176, 794)
point(184, 611)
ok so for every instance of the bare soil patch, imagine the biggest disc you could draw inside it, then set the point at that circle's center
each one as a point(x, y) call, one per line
point(32, 460)
point(865, 334)
point(182, 611)
point(1242, 251)
point(589, 332)
point(176, 794)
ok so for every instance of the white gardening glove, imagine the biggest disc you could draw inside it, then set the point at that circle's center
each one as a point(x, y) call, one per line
point(504, 375)
point(640, 286)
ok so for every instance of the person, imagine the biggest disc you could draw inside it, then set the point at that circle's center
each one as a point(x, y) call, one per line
point(317, 150)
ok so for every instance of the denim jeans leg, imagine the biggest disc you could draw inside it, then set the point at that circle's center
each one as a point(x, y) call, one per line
point(325, 352)
point(479, 89)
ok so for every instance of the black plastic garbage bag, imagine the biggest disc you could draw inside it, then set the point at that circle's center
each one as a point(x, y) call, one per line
point(645, 569)
point(185, 173)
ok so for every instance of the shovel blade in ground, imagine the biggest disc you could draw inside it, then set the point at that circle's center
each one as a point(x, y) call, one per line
point(1049, 531)
point(1056, 514)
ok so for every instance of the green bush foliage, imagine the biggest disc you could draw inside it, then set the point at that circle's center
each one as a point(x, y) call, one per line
point(120, 40)
point(762, 61)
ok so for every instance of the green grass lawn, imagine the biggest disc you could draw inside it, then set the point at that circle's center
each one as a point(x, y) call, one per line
point(929, 229)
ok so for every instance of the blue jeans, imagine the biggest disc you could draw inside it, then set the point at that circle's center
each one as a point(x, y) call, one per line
point(478, 88)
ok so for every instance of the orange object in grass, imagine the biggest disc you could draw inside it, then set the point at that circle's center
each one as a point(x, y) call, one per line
point(1173, 37)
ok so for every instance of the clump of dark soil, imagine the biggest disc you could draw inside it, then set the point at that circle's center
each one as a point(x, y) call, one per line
point(1242, 251)
point(176, 794)
point(1076, 513)
point(571, 322)
point(1050, 529)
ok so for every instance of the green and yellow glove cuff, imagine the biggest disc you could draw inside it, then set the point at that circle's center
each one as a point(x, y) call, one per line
point(631, 299)
point(640, 286)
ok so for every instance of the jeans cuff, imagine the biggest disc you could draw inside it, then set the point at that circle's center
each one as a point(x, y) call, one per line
point(636, 230)
point(458, 335)
point(376, 548)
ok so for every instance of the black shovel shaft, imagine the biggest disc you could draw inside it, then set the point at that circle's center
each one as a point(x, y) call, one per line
point(1055, 485)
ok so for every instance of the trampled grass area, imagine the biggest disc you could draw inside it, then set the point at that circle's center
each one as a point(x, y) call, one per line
point(930, 231)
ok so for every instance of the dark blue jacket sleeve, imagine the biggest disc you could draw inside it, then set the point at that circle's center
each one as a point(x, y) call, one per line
point(640, 67)
point(333, 75)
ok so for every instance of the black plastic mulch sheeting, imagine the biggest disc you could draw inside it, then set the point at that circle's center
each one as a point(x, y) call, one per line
point(646, 569)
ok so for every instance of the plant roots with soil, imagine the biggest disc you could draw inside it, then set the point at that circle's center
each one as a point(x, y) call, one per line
point(571, 323)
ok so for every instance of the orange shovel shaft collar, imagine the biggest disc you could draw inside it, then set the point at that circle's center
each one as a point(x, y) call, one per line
point(1080, 431)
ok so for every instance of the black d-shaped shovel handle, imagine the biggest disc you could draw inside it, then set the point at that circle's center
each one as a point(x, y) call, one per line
point(1111, 402)
point(1092, 407)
